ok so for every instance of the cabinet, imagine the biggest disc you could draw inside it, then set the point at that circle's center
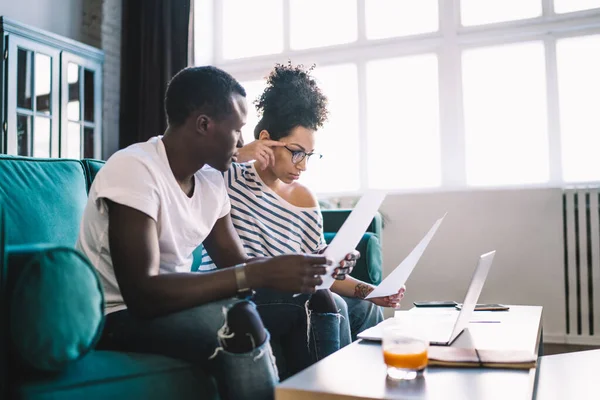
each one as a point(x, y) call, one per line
point(50, 94)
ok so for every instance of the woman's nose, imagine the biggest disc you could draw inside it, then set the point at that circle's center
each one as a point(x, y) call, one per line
point(302, 164)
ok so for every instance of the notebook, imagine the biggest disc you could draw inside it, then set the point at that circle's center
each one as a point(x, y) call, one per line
point(473, 358)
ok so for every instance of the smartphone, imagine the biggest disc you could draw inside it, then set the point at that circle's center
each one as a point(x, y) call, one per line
point(487, 307)
point(435, 303)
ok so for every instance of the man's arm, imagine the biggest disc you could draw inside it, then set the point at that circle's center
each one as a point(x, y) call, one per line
point(133, 240)
point(223, 244)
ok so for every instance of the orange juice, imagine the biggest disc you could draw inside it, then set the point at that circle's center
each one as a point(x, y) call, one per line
point(397, 359)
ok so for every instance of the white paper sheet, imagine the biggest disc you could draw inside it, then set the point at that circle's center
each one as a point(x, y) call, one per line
point(398, 277)
point(347, 238)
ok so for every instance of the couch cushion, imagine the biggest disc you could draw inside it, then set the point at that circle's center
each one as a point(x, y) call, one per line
point(91, 167)
point(56, 306)
point(43, 199)
point(115, 375)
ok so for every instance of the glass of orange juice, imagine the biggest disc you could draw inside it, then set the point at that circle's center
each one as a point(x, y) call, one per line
point(404, 352)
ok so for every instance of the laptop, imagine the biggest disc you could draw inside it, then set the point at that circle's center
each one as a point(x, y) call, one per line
point(443, 329)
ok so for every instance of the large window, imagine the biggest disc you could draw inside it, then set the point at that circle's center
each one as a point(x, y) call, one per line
point(428, 93)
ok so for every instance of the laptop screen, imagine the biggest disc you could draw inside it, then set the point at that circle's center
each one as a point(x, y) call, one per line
point(477, 281)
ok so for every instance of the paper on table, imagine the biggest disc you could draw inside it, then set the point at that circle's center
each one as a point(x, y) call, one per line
point(398, 277)
point(351, 231)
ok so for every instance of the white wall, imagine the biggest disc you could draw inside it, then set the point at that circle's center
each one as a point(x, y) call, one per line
point(63, 17)
point(524, 226)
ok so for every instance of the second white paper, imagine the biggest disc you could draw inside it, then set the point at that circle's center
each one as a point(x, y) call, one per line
point(398, 277)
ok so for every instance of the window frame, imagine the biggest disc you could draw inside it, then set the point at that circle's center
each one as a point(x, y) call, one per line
point(447, 43)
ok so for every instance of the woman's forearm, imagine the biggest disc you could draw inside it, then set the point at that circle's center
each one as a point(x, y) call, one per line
point(352, 287)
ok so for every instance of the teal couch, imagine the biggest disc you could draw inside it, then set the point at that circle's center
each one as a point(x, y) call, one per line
point(41, 201)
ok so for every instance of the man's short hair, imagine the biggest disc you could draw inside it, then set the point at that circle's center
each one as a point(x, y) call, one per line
point(207, 88)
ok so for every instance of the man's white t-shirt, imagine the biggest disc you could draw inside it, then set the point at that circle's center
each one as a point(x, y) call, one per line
point(140, 177)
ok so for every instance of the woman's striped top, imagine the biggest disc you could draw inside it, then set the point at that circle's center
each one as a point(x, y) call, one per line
point(267, 224)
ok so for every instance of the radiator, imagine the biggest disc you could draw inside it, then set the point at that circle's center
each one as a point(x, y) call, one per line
point(581, 229)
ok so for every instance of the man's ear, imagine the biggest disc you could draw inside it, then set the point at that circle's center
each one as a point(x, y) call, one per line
point(202, 123)
point(264, 135)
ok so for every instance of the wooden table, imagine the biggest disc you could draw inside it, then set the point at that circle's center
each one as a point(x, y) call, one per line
point(358, 372)
point(569, 376)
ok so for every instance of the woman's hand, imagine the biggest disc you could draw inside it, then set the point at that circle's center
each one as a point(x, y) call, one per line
point(390, 301)
point(261, 151)
point(346, 266)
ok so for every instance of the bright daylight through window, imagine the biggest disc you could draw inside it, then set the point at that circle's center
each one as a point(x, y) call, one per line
point(427, 94)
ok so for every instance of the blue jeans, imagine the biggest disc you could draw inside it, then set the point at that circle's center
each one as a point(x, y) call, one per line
point(192, 336)
point(361, 315)
point(299, 337)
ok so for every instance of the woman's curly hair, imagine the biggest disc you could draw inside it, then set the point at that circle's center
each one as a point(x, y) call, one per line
point(292, 98)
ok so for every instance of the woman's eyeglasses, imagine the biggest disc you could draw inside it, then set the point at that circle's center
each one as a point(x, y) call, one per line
point(299, 155)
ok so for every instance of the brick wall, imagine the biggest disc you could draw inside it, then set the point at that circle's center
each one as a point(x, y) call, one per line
point(102, 29)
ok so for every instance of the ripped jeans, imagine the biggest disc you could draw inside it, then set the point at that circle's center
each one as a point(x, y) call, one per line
point(299, 337)
point(192, 336)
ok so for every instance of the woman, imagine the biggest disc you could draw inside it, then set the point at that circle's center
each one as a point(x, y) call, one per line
point(273, 213)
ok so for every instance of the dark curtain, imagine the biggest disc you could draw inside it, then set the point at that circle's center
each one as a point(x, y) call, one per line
point(155, 35)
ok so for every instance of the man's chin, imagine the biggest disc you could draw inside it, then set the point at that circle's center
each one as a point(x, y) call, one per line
point(221, 167)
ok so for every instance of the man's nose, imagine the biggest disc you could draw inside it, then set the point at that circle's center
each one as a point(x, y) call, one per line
point(240, 142)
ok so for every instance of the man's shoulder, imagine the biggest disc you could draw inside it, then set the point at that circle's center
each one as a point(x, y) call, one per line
point(136, 155)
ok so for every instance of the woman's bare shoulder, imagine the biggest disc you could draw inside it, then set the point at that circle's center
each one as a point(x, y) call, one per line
point(302, 196)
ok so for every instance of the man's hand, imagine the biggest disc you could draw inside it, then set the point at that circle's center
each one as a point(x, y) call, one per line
point(261, 151)
point(389, 301)
point(296, 273)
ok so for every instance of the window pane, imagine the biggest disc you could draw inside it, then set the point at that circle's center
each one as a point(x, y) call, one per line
point(505, 114)
point(403, 123)
point(23, 134)
point(480, 12)
point(312, 23)
point(253, 90)
point(24, 78)
point(252, 28)
point(88, 95)
point(565, 6)
point(73, 141)
point(204, 32)
point(74, 84)
point(88, 142)
point(43, 71)
point(390, 18)
point(338, 171)
point(579, 90)
point(41, 137)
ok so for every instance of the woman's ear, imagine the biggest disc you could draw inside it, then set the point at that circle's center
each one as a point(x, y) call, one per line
point(264, 135)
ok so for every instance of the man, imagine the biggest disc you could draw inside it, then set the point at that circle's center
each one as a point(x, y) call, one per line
point(150, 206)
